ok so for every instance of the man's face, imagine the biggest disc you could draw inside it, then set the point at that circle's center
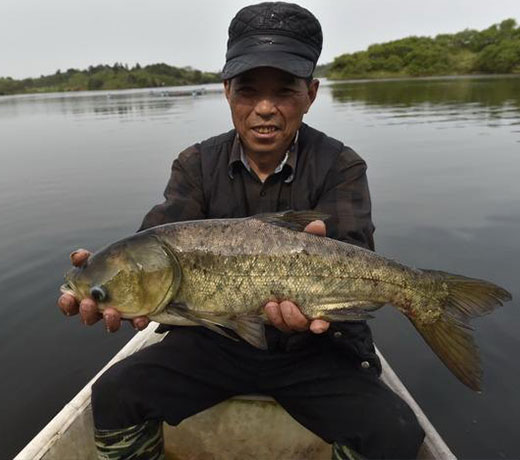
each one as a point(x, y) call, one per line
point(267, 107)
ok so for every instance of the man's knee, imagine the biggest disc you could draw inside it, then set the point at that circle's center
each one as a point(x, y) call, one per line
point(112, 399)
point(405, 425)
point(106, 390)
point(396, 432)
point(381, 425)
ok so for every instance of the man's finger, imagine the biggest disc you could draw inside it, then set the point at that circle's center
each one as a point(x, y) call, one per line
point(140, 323)
point(89, 312)
point(68, 305)
point(112, 319)
point(79, 257)
point(272, 310)
point(293, 317)
point(319, 326)
point(316, 227)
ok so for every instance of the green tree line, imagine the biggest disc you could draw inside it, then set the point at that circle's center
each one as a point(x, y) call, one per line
point(492, 50)
point(106, 77)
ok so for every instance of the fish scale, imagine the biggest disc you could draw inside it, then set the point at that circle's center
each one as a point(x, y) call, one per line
point(220, 273)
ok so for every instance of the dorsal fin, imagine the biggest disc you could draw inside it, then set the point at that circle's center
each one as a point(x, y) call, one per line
point(295, 220)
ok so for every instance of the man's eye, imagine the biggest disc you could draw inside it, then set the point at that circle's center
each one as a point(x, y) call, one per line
point(246, 90)
point(286, 91)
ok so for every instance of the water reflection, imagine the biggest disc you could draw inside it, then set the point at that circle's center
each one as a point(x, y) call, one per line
point(125, 104)
point(486, 92)
point(83, 169)
point(488, 101)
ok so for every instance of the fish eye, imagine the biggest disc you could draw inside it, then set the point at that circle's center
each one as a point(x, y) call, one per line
point(98, 293)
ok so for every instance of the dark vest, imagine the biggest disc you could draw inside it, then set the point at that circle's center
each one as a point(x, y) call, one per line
point(218, 187)
point(353, 337)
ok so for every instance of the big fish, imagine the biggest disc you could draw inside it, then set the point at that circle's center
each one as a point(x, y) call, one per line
point(219, 273)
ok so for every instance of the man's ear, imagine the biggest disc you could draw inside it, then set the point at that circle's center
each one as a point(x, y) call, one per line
point(227, 88)
point(312, 92)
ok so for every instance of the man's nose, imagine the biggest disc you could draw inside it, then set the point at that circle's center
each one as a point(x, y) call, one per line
point(265, 107)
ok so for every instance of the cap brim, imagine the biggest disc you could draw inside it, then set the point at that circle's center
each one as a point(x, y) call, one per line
point(293, 64)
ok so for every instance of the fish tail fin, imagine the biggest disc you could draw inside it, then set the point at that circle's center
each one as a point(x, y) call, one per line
point(453, 343)
point(450, 336)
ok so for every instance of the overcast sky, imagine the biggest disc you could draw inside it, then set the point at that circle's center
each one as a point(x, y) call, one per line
point(40, 36)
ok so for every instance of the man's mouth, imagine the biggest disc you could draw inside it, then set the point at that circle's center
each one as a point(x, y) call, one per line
point(265, 129)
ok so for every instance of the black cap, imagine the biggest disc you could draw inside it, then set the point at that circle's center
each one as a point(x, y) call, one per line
point(273, 34)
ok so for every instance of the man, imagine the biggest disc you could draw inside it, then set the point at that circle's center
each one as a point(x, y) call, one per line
point(325, 375)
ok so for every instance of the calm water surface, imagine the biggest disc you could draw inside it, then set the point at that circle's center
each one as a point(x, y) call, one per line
point(81, 170)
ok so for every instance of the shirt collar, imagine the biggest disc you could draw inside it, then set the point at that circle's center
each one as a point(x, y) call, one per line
point(238, 157)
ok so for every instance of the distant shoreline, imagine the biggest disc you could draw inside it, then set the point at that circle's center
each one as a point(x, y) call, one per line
point(423, 77)
point(397, 76)
point(173, 91)
point(106, 77)
point(169, 91)
point(495, 50)
point(492, 51)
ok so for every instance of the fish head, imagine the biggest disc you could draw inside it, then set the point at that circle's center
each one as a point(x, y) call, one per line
point(137, 276)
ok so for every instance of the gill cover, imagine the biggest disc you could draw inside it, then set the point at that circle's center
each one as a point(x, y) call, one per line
point(137, 276)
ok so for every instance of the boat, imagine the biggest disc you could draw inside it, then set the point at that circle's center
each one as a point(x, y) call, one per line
point(243, 427)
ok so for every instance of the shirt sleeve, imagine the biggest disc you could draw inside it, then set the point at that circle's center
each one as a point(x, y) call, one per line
point(346, 199)
point(184, 198)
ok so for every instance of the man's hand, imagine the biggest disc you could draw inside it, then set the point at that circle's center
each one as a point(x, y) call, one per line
point(88, 310)
point(285, 315)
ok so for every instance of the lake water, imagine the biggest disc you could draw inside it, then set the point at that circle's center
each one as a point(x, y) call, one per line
point(81, 170)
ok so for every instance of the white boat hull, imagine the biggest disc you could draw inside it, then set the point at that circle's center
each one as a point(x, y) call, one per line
point(248, 427)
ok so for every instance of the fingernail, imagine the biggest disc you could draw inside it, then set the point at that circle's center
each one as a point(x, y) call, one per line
point(140, 323)
point(62, 302)
point(63, 307)
point(318, 329)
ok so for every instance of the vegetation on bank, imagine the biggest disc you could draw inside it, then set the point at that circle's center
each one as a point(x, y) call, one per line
point(108, 77)
point(322, 70)
point(492, 50)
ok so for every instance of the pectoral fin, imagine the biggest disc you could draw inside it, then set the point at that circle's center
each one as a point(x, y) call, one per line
point(211, 322)
point(249, 327)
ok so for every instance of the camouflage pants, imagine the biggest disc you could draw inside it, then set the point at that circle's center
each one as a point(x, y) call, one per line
point(343, 452)
point(138, 442)
point(145, 442)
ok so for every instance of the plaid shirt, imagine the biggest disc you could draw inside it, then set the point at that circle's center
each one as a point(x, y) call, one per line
point(304, 180)
point(212, 180)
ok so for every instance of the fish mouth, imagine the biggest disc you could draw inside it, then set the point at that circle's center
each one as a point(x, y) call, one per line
point(68, 288)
